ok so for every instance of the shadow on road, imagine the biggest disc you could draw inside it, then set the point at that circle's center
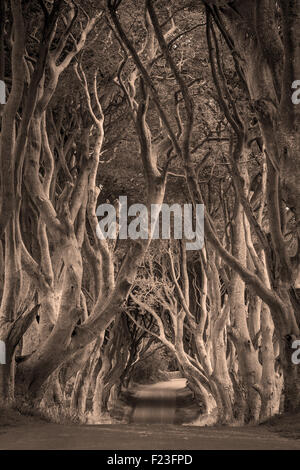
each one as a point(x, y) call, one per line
point(158, 403)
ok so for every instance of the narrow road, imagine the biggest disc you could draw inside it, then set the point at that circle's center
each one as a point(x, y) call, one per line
point(156, 404)
point(138, 437)
point(151, 428)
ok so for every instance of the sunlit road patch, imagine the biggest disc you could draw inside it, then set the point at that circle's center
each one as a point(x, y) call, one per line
point(157, 403)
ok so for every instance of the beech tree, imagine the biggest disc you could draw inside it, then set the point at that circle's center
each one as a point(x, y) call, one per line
point(270, 279)
point(61, 199)
point(196, 98)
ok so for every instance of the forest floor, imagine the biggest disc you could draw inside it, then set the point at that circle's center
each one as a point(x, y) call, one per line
point(150, 427)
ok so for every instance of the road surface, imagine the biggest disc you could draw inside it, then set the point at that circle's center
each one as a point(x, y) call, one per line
point(47, 436)
point(157, 403)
